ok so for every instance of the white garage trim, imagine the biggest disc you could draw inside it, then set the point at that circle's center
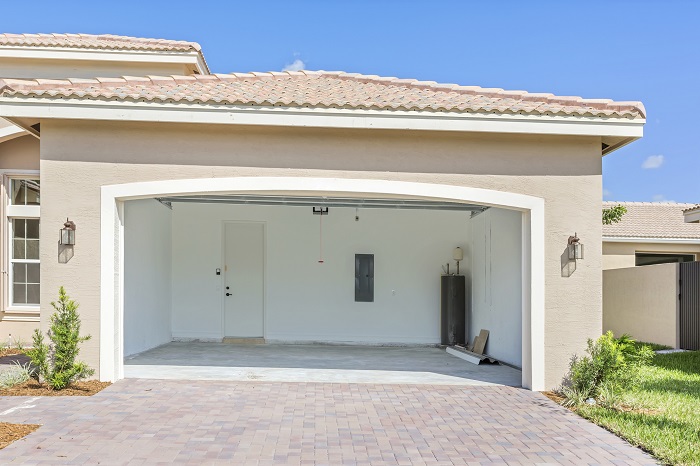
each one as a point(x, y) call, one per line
point(112, 256)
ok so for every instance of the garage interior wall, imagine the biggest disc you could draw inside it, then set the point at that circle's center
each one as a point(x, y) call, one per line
point(308, 301)
point(496, 282)
point(147, 275)
point(172, 290)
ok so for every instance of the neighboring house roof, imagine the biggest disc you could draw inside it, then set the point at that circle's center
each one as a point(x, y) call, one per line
point(652, 220)
point(692, 214)
point(321, 89)
point(92, 41)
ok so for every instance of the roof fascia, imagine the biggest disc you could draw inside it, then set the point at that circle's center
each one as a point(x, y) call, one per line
point(317, 117)
point(619, 145)
point(134, 56)
point(9, 131)
point(26, 127)
point(623, 239)
point(692, 216)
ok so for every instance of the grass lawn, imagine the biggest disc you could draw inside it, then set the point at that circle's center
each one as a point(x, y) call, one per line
point(666, 418)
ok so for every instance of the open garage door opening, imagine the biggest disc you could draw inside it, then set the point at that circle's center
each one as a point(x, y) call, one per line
point(309, 269)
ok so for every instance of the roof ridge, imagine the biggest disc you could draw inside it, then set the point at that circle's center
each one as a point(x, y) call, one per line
point(71, 40)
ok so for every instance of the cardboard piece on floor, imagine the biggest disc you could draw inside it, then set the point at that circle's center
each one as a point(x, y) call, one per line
point(469, 356)
point(480, 342)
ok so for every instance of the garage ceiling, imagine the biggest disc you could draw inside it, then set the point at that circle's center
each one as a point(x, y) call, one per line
point(361, 203)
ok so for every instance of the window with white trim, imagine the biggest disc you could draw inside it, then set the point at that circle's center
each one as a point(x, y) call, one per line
point(23, 223)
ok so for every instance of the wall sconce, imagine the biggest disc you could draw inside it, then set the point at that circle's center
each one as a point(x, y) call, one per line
point(458, 255)
point(575, 248)
point(67, 234)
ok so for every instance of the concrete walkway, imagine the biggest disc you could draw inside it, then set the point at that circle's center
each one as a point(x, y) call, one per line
point(151, 422)
point(314, 363)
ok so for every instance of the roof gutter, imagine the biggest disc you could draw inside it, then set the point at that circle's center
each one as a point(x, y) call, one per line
point(147, 111)
point(188, 57)
point(623, 239)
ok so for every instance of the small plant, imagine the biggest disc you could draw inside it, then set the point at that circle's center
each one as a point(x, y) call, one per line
point(19, 344)
point(611, 366)
point(15, 375)
point(609, 396)
point(56, 362)
point(573, 396)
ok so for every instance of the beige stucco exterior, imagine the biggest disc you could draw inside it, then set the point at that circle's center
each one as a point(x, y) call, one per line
point(77, 158)
point(19, 155)
point(618, 255)
point(642, 302)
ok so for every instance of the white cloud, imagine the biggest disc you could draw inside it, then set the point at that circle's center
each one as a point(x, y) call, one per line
point(660, 198)
point(653, 161)
point(296, 65)
point(606, 193)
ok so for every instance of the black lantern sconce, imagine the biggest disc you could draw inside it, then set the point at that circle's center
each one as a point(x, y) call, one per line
point(575, 248)
point(67, 234)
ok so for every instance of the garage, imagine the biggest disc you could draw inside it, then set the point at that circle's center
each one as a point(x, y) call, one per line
point(278, 269)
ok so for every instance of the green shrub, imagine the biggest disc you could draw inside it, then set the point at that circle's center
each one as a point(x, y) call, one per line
point(56, 362)
point(610, 367)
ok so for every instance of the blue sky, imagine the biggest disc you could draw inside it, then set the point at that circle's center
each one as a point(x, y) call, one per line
point(624, 50)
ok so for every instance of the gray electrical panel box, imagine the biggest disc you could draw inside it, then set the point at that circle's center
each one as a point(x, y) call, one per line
point(364, 278)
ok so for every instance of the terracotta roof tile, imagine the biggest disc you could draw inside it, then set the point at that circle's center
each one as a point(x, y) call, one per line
point(321, 89)
point(92, 41)
point(692, 208)
point(652, 220)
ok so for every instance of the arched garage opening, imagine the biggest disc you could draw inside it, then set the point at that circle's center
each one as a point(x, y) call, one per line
point(171, 265)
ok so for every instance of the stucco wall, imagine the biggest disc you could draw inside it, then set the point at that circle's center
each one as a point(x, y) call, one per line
point(308, 301)
point(621, 255)
point(17, 154)
point(495, 275)
point(565, 171)
point(21, 153)
point(147, 275)
point(643, 302)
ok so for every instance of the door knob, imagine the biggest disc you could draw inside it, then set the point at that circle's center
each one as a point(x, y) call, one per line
point(229, 294)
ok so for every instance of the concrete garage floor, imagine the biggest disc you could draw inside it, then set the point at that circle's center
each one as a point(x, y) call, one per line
point(313, 363)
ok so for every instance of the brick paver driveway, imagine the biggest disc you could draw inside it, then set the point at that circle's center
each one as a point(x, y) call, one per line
point(155, 421)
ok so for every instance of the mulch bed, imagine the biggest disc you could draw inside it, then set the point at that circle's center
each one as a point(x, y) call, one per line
point(555, 397)
point(10, 352)
point(11, 432)
point(558, 399)
point(32, 388)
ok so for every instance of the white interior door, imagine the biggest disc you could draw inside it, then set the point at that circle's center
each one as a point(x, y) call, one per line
point(243, 279)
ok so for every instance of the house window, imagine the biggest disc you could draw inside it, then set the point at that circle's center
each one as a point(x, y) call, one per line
point(25, 261)
point(24, 192)
point(23, 278)
point(645, 258)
